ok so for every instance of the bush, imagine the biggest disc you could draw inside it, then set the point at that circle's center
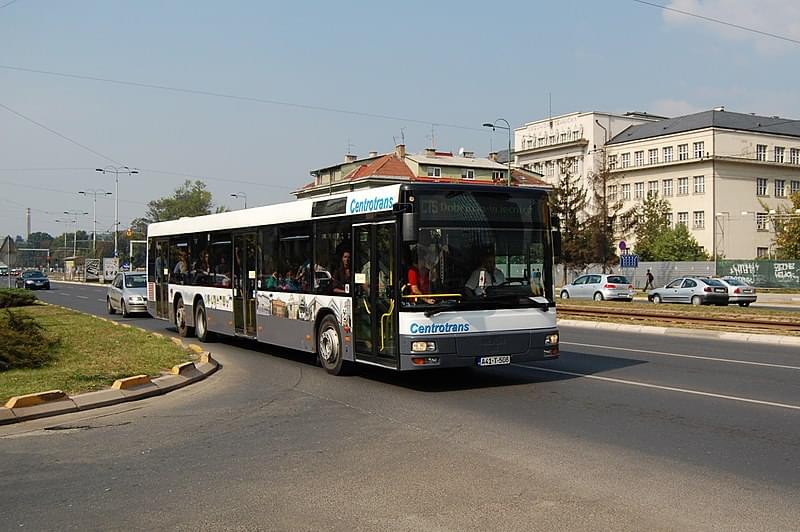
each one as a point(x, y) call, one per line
point(23, 343)
point(16, 297)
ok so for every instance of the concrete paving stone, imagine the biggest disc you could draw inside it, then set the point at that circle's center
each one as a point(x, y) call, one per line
point(47, 409)
point(6, 415)
point(171, 382)
point(97, 399)
point(142, 391)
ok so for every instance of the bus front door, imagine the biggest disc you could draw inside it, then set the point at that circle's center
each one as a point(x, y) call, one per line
point(161, 266)
point(374, 293)
point(244, 284)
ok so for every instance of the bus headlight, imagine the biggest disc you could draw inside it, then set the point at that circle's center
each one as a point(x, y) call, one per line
point(551, 340)
point(422, 347)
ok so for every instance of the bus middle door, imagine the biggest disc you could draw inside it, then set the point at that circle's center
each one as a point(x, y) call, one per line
point(374, 293)
point(244, 284)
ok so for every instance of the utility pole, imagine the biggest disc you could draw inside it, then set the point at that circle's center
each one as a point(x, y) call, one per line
point(116, 170)
point(75, 215)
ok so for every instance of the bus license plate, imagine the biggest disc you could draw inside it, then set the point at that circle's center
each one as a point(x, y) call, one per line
point(494, 361)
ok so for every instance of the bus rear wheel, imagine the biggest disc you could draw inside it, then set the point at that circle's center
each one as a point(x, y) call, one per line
point(180, 320)
point(201, 324)
point(329, 346)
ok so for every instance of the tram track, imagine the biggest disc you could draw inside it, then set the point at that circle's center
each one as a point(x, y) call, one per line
point(740, 323)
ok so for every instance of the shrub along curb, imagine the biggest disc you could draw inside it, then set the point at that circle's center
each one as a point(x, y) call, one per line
point(55, 402)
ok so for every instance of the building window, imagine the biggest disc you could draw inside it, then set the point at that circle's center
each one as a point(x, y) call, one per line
point(683, 186)
point(541, 141)
point(612, 162)
point(762, 253)
point(683, 218)
point(573, 167)
point(612, 193)
point(467, 173)
point(779, 151)
point(780, 188)
point(669, 219)
point(762, 221)
point(499, 175)
point(698, 149)
point(549, 169)
point(794, 156)
point(761, 186)
point(668, 154)
point(576, 135)
point(652, 156)
point(626, 160)
point(667, 184)
point(638, 190)
point(626, 192)
point(552, 139)
point(699, 219)
point(761, 152)
point(434, 171)
point(652, 189)
point(699, 184)
point(638, 158)
point(683, 152)
point(794, 187)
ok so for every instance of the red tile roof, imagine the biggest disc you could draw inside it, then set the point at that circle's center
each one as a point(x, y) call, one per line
point(388, 165)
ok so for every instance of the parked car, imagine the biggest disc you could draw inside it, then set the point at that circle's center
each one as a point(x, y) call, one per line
point(694, 290)
point(127, 293)
point(599, 287)
point(33, 280)
point(739, 292)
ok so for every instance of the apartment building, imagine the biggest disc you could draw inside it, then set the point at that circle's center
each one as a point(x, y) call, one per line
point(543, 146)
point(722, 173)
point(428, 166)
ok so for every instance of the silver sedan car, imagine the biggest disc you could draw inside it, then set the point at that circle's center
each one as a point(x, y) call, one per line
point(599, 286)
point(694, 290)
point(127, 293)
point(739, 292)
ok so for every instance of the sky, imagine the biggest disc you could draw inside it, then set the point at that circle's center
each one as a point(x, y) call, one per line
point(269, 91)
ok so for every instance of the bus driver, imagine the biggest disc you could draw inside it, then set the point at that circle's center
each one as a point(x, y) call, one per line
point(487, 274)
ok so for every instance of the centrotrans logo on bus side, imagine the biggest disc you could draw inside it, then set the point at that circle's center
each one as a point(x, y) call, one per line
point(438, 328)
point(370, 204)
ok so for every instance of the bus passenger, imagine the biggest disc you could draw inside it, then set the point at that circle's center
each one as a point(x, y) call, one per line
point(342, 275)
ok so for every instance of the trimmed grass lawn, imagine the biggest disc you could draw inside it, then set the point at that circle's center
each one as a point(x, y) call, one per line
point(91, 355)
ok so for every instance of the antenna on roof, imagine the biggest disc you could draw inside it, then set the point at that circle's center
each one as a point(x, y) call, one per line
point(350, 146)
point(550, 107)
point(403, 136)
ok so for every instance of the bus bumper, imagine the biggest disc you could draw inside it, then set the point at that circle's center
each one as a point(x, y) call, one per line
point(465, 350)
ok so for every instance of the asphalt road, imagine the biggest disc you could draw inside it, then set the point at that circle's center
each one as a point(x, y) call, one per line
point(625, 432)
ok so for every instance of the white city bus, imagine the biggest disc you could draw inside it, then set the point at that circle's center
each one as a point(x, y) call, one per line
point(404, 276)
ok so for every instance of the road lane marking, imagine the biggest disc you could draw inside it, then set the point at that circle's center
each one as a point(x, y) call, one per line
point(82, 297)
point(660, 387)
point(678, 355)
point(101, 300)
point(63, 294)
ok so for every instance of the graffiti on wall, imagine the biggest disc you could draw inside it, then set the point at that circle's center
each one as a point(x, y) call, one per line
point(764, 273)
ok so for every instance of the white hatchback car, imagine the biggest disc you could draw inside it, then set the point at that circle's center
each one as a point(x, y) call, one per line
point(599, 286)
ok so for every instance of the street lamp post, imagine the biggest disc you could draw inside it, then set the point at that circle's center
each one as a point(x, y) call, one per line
point(94, 192)
point(116, 170)
point(75, 215)
point(241, 195)
point(508, 128)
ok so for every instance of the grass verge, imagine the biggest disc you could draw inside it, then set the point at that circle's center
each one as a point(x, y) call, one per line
point(90, 355)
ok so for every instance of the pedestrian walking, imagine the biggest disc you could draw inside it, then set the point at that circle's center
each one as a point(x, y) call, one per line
point(649, 284)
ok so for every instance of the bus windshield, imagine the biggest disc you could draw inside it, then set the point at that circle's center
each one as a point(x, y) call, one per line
point(478, 250)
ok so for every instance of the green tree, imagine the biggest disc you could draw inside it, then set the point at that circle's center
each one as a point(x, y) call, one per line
point(677, 245)
point(40, 240)
point(568, 202)
point(651, 222)
point(189, 199)
point(607, 209)
point(787, 230)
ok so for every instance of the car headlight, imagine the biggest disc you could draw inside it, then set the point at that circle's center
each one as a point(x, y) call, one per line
point(28, 281)
point(136, 299)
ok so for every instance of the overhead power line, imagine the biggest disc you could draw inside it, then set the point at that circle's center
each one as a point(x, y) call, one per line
point(719, 21)
point(8, 4)
point(267, 101)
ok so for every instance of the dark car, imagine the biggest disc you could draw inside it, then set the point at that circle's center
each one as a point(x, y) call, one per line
point(33, 280)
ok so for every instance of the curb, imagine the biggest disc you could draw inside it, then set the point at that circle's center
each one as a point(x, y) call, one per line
point(56, 402)
point(770, 339)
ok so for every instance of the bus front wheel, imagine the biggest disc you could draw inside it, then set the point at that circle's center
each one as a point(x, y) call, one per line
point(201, 324)
point(329, 346)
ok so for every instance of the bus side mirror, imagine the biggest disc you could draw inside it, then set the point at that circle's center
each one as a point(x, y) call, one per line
point(409, 223)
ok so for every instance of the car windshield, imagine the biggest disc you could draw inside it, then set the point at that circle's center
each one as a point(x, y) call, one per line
point(135, 281)
point(734, 282)
point(618, 279)
point(477, 251)
point(33, 274)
